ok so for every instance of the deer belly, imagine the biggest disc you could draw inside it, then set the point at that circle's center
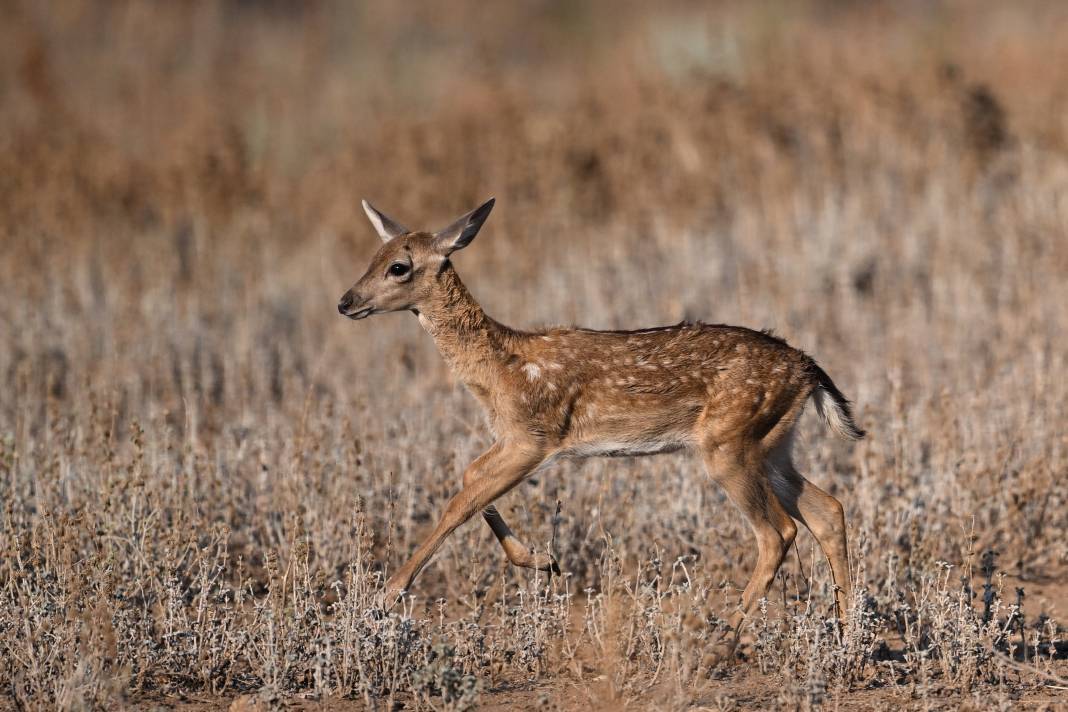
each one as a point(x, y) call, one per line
point(627, 447)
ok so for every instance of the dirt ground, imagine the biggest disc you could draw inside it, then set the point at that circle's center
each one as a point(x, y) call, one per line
point(738, 689)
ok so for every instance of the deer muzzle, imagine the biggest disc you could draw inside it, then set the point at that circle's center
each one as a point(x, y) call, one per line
point(352, 306)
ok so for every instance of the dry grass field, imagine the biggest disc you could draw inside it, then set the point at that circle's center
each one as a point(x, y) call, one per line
point(206, 473)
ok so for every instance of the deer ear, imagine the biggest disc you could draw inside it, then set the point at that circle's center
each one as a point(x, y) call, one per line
point(386, 227)
point(459, 235)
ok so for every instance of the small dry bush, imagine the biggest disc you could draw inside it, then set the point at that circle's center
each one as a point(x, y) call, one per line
point(206, 474)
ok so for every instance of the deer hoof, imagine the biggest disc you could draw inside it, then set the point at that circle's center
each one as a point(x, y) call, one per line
point(392, 595)
point(543, 562)
point(720, 654)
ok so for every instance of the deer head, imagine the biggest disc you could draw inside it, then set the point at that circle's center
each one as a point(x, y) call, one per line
point(403, 273)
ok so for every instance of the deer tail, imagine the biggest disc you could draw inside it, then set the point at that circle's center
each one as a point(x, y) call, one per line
point(833, 407)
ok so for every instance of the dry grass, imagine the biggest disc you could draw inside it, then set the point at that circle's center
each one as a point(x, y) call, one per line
point(206, 472)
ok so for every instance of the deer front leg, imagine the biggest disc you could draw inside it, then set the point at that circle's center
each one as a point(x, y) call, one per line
point(493, 473)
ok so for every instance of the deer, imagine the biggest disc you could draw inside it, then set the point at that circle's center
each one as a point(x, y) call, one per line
point(730, 394)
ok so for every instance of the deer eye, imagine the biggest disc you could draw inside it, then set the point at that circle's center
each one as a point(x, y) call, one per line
point(399, 269)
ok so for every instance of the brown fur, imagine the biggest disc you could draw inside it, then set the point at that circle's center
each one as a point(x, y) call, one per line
point(731, 394)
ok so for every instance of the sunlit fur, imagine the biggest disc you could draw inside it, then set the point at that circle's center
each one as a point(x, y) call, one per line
point(730, 394)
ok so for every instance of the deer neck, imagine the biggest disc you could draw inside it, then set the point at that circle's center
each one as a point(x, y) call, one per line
point(472, 343)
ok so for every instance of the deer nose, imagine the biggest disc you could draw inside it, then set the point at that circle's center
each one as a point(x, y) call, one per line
point(346, 302)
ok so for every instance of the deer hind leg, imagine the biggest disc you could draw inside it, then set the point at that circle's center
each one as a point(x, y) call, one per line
point(517, 552)
point(817, 510)
point(746, 484)
point(492, 474)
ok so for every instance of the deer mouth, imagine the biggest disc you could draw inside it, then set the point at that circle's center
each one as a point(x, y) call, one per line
point(360, 313)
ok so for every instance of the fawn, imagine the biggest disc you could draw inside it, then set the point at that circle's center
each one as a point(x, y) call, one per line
point(730, 394)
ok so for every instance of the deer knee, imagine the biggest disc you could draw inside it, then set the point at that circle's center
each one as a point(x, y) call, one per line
point(470, 476)
point(771, 544)
point(788, 531)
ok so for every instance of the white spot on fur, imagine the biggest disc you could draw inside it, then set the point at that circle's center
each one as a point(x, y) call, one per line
point(532, 370)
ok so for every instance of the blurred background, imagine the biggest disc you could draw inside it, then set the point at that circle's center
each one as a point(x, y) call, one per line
point(847, 173)
point(882, 183)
